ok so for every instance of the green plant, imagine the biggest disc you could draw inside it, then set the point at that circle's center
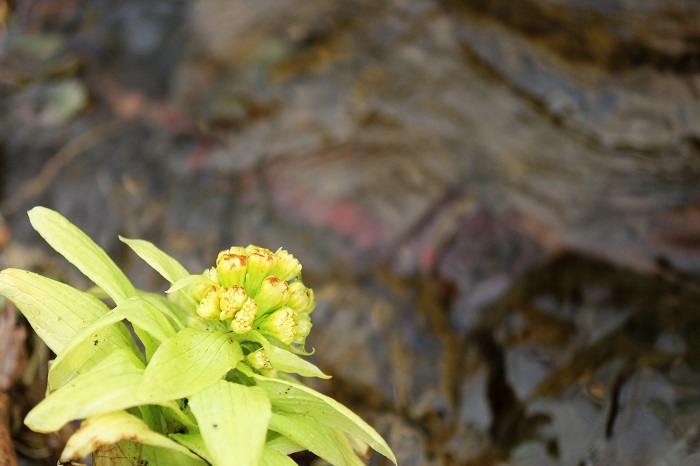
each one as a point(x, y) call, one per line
point(209, 382)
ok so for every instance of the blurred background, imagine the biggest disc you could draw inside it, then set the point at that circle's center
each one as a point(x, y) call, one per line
point(496, 202)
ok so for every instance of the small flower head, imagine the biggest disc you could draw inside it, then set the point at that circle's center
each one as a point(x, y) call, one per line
point(249, 289)
point(251, 248)
point(302, 327)
point(233, 251)
point(259, 265)
point(279, 324)
point(231, 300)
point(286, 265)
point(208, 307)
point(273, 293)
point(231, 269)
point(301, 298)
point(243, 319)
point(200, 290)
point(258, 359)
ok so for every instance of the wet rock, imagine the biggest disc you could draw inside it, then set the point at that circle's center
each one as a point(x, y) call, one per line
point(584, 360)
point(615, 109)
point(410, 445)
point(640, 108)
point(243, 33)
point(589, 157)
point(579, 421)
point(616, 34)
point(360, 338)
point(470, 439)
point(649, 424)
point(486, 254)
point(365, 198)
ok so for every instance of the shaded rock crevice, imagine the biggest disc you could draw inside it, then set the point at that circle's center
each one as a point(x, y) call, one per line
point(660, 35)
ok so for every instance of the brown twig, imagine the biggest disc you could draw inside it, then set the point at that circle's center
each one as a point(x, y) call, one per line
point(12, 363)
point(7, 450)
point(60, 160)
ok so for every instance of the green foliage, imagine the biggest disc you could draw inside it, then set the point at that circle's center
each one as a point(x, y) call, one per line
point(209, 385)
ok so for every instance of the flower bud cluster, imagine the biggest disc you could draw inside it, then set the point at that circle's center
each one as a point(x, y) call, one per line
point(253, 288)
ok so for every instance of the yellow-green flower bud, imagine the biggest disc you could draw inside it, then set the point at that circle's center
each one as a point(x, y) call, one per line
point(200, 290)
point(259, 265)
point(251, 248)
point(231, 300)
point(232, 251)
point(312, 302)
point(243, 320)
point(211, 274)
point(231, 269)
point(302, 327)
point(286, 265)
point(300, 297)
point(273, 293)
point(279, 324)
point(258, 359)
point(208, 307)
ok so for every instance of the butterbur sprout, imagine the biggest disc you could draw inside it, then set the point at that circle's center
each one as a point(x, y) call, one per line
point(225, 297)
point(223, 348)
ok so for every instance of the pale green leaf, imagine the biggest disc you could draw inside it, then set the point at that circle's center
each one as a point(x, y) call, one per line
point(187, 363)
point(164, 264)
point(326, 442)
point(282, 444)
point(189, 280)
point(173, 414)
point(144, 317)
point(178, 315)
point(81, 355)
point(110, 428)
point(274, 458)
point(97, 292)
point(151, 415)
point(128, 453)
point(69, 241)
point(57, 312)
point(233, 422)
point(193, 442)
point(270, 457)
point(292, 397)
point(150, 344)
point(109, 386)
point(285, 361)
